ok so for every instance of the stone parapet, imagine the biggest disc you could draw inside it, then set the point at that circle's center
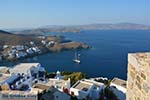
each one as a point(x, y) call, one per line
point(138, 87)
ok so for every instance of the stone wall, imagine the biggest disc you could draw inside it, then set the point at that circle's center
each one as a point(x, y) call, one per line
point(138, 87)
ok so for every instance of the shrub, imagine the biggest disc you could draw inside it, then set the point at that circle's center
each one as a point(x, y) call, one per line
point(75, 76)
point(109, 94)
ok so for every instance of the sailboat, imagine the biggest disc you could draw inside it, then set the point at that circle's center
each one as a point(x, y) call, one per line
point(77, 58)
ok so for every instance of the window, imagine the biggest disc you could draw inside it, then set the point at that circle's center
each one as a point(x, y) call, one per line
point(57, 97)
point(41, 74)
point(72, 93)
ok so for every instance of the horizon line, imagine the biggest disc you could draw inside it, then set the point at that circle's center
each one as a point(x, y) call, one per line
point(32, 27)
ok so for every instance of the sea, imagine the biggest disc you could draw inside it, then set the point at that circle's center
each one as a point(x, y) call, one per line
point(107, 57)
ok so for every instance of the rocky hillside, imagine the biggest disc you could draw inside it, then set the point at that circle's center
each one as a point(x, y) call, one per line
point(42, 31)
point(78, 28)
point(14, 47)
point(12, 39)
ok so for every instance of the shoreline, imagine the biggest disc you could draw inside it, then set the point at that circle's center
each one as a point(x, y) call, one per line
point(38, 46)
point(32, 57)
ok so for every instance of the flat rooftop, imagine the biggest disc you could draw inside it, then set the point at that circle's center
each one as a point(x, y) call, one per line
point(86, 84)
point(83, 86)
point(41, 86)
point(52, 82)
point(119, 82)
point(98, 84)
point(23, 67)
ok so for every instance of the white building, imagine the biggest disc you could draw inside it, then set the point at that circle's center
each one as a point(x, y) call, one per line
point(87, 88)
point(55, 94)
point(42, 37)
point(5, 46)
point(59, 84)
point(31, 42)
point(51, 43)
point(36, 49)
point(19, 84)
point(118, 86)
point(26, 80)
point(23, 76)
point(58, 75)
point(21, 54)
point(29, 51)
point(20, 47)
point(43, 42)
point(34, 70)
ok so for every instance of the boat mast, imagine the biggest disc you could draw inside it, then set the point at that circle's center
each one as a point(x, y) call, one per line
point(75, 55)
point(78, 56)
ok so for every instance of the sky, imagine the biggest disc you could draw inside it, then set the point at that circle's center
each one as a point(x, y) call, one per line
point(36, 13)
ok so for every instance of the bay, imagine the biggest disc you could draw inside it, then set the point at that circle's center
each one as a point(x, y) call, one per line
point(107, 57)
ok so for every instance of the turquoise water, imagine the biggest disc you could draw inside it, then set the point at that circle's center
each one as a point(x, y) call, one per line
point(107, 57)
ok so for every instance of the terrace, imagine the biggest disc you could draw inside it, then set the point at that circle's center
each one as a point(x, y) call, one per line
point(82, 86)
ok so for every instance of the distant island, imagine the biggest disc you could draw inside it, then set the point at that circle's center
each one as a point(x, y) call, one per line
point(79, 28)
point(14, 47)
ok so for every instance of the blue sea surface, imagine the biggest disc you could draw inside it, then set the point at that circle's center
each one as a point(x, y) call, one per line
point(107, 57)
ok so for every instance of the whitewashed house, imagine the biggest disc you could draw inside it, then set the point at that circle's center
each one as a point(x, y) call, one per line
point(58, 75)
point(13, 47)
point(59, 83)
point(42, 37)
point(43, 42)
point(26, 80)
point(87, 88)
point(31, 42)
point(36, 49)
point(20, 47)
point(34, 70)
point(21, 54)
point(24, 74)
point(29, 51)
point(5, 46)
point(51, 43)
point(118, 86)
